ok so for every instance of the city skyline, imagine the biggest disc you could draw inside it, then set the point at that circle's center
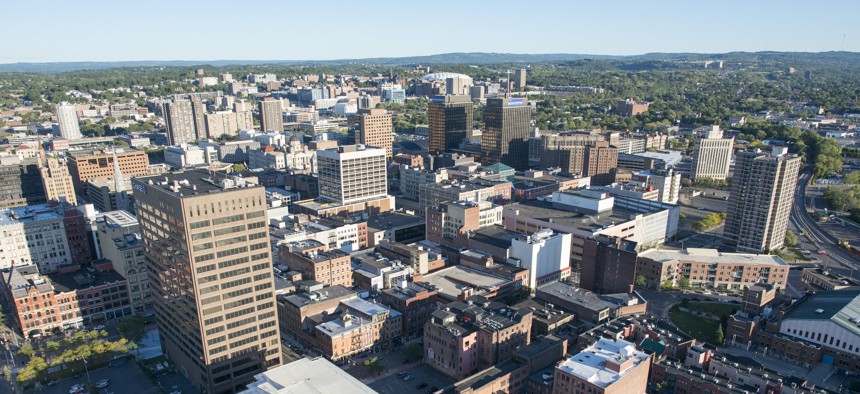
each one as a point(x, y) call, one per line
point(542, 29)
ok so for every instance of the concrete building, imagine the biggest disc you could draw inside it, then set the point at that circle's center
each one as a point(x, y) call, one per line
point(544, 254)
point(34, 235)
point(374, 128)
point(712, 155)
point(450, 121)
point(827, 319)
point(458, 84)
point(709, 268)
point(352, 173)
point(316, 375)
point(181, 124)
point(666, 182)
point(68, 300)
point(415, 302)
point(451, 223)
point(563, 150)
point(225, 123)
point(271, 117)
point(99, 164)
point(474, 334)
point(433, 194)
point(763, 190)
point(185, 155)
point(607, 367)
point(232, 151)
point(507, 125)
point(118, 237)
point(220, 328)
point(20, 183)
point(630, 107)
point(110, 194)
point(57, 181)
point(608, 265)
point(67, 121)
point(520, 79)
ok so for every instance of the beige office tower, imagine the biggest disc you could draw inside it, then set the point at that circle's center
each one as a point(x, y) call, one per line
point(271, 118)
point(712, 155)
point(520, 79)
point(181, 125)
point(352, 173)
point(763, 189)
point(57, 181)
point(198, 109)
point(206, 243)
point(375, 128)
point(458, 85)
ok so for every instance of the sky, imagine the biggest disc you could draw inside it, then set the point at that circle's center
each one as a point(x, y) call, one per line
point(90, 30)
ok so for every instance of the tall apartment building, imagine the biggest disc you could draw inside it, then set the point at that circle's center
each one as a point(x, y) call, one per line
point(352, 173)
point(600, 163)
point(507, 126)
point(206, 243)
point(221, 123)
point(520, 79)
point(118, 236)
point(181, 123)
point(666, 182)
point(99, 164)
point(198, 110)
point(271, 118)
point(374, 127)
point(762, 196)
point(21, 183)
point(67, 121)
point(610, 366)
point(34, 235)
point(712, 155)
point(57, 181)
point(450, 120)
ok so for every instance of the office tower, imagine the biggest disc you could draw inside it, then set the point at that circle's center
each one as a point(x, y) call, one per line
point(507, 124)
point(601, 161)
point(760, 204)
point(712, 155)
point(450, 119)
point(207, 250)
point(99, 164)
point(520, 79)
point(374, 127)
point(458, 85)
point(608, 265)
point(198, 110)
point(271, 118)
point(57, 181)
point(67, 122)
point(352, 173)
point(21, 184)
point(181, 126)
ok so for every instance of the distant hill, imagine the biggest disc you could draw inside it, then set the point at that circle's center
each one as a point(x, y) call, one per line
point(850, 58)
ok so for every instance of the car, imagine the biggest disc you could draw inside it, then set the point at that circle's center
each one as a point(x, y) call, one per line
point(102, 383)
point(77, 389)
point(706, 292)
point(822, 252)
point(408, 378)
point(99, 327)
point(721, 294)
point(402, 374)
point(421, 385)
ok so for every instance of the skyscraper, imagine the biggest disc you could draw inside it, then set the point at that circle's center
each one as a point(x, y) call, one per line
point(181, 126)
point(352, 173)
point(207, 250)
point(450, 119)
point(507, 123)
point(760, 204)
point(375, 128)
point(520, 79)
point(271, 118)
point(67, 120)
point(712, 155)
point(57, 181)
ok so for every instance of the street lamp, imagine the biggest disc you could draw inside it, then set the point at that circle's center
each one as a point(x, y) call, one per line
point(86, 369)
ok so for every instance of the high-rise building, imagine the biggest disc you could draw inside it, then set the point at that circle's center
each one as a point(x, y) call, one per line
point(450, 120)
point(352, 173)
point(198, 110)
point(520, 79)
point(458, 85)
point(181, 125)
point(271, 118)
point(374, 127)
point(98, 164)
point(67, 120)
point(601, 162)
point(207, 250)
point(118, 236)
point(220, 123)
point(21, 183)
point(57, 181)
point(507, 125)
point(608, 265)
point(712, 155)
point(762, 196)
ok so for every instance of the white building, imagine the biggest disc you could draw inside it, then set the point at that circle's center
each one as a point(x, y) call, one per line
point(352, 173)
point(712, 154)
point(184, 155)
point(307, 375)
point(345, 109)
point(67, 121)
point(545, 255)
point(608, 366)
point(827, 318)
point(667, 182)
point(33, 235)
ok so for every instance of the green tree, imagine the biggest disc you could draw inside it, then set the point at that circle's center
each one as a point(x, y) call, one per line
point(413, 353)
point(374, 366)
point(34, 368)
point(852, 178)
point(790, 239)
point(132, 328)
point(666, 285)
point(26, 351)
point(52, 346)
point(718, 335)
point(684, 283)
point(640, 281)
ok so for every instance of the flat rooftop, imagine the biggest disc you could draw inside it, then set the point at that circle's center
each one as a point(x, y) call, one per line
point(368, 308)
point(307, 375)
point(304, 299)
point(190, 183)
point(591, 364)
point(487, 376)
point(841, 307)
point(452, 280)
point(119, 219)
point(28, 214)
point(496, 236)
point(544, 211)
point(392, 220)
point(83, 279)
point(711, 256)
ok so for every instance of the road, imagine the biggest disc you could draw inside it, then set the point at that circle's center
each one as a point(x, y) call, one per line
point(820, 238)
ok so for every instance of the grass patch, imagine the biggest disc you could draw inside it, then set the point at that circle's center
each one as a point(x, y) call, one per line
point(792, 254)
point(697, 327)
point(718, 309)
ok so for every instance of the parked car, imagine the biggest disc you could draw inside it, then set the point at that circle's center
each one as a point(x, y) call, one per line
point(408, 378)
point(99, 327)
point(102, 383)
point(77, 389)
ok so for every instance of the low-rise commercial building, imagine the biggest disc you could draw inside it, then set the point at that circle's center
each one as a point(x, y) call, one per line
point(709, 268)
point(607, 367)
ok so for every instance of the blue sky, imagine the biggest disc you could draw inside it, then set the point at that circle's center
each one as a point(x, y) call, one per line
point(84, 30)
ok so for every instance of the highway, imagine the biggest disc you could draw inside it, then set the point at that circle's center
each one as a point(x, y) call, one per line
point(820, 238)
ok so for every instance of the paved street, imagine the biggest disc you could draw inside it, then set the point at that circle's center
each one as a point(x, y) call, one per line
point(125, 379)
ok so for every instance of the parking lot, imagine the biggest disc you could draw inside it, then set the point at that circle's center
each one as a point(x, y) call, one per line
point(125, 379)
point(422, 373)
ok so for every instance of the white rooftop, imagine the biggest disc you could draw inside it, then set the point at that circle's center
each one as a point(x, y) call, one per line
point(711, 256)
point(307, 376)
point(591, 364)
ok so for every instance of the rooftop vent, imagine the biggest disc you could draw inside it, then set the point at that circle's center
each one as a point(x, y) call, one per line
point(819, 310)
